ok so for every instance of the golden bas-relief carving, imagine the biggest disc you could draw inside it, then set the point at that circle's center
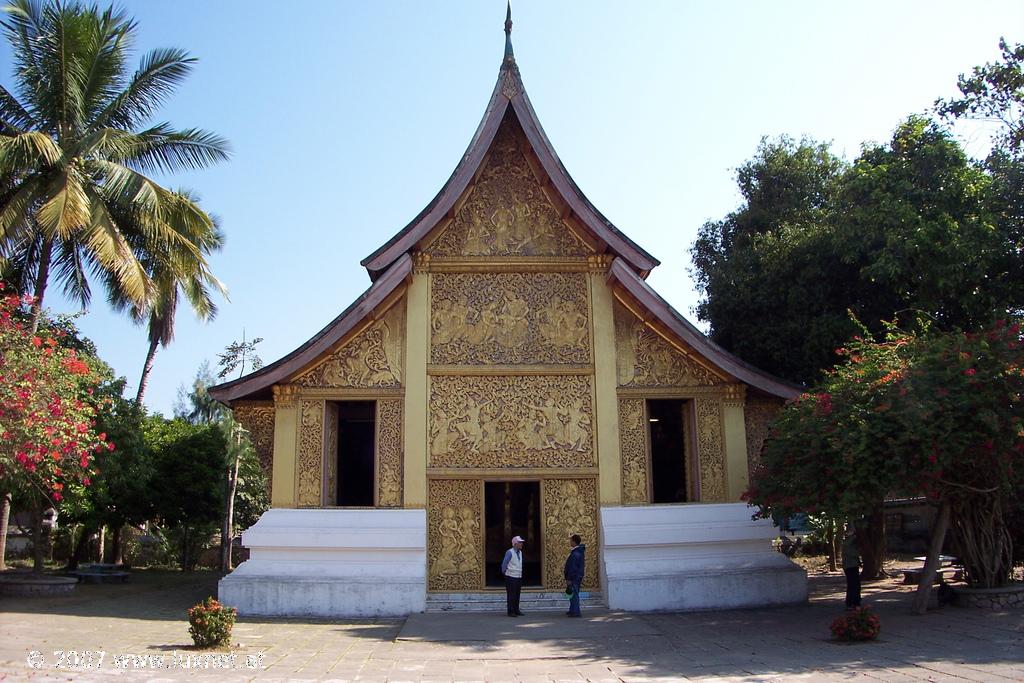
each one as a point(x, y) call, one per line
point(455, 542)
point(507, 213)
point(389, 452)
point(644, 358)
point(509, 318)
point(759, 415)
point(258, 420)
point(511, 422)
point(372, 359)
point(710, 450)
point(633, 447)
point(570, 507)
point(310, 453)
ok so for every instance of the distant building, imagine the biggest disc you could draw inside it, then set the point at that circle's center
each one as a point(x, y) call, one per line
point(509, 372)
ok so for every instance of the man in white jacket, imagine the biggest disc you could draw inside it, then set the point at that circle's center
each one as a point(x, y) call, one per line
point(512, 569)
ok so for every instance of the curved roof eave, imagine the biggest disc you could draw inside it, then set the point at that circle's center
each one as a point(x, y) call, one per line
point(263, 379)
point(508, 91)
point(686, 332)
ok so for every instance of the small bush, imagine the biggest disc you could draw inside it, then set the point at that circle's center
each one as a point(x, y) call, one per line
point(210, 623)
point(859, 623)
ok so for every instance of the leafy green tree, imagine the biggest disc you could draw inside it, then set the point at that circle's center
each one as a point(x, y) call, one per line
point(994, 92)
point(237, 354)
point(74, 150)
point(912, 226)
point(187, 491)
point(934, 414)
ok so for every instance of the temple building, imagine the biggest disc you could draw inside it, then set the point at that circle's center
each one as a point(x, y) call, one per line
point(508, 372)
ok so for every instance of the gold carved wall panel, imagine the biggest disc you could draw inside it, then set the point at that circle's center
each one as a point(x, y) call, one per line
point(258, 420)
point(373, 358)
point(389, 453)
point(509, 318)
point(310, 453)
point(710, 449)
point(330, 492)
point(570, 507)
point(507, 213)
point(644, 358)
point(454, 535)
point(532, 421)
point(759, 414)
point(634, 449)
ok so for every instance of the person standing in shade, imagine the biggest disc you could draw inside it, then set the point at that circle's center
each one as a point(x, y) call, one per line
point(851, 565)
point(512, 569)
point(574, 565)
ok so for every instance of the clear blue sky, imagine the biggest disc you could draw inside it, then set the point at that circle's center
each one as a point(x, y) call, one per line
point(347, 117)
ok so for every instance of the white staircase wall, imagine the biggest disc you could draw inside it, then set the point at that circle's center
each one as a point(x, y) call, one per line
point(694, 557)
point(331, 563)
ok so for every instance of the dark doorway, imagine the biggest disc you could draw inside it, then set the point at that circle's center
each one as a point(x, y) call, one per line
point(512, 508)
point(356, 428)
point(668, 450)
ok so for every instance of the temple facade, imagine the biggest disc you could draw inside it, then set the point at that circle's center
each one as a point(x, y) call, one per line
point(508, 372)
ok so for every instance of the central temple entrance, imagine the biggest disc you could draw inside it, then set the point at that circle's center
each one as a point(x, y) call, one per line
point(512, 508)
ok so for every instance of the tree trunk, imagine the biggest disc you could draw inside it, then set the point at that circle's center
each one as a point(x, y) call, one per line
point(227, 532)
point(931, 564)
point(872, 544)
point(116, 552)
point(42, 275)
point(37, 539)
point(147, 368)
point(80, 547)
point(832, 536)
point(184, 549)
point(101, 542)
point(5, 516)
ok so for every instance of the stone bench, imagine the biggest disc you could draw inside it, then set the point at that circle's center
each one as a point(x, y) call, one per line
point(912, 577)
point(101, 576)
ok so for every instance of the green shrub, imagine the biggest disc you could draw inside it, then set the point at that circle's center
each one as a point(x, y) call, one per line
point(210, 623)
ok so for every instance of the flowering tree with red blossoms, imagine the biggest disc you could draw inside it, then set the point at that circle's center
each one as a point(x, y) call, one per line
point(938, 415)
point(47, 415)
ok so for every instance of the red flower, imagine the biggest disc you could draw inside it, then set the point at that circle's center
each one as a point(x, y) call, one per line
point(970, 372)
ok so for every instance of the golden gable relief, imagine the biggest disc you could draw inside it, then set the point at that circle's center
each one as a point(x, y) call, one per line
point(511, 422)
point(454, 540)
point(507, 213)
point(372, 359)
point(570, 507)
point(644, 358)
point(509, 318)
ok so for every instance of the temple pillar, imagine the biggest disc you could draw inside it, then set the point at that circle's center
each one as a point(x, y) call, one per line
point(286, 426)
point(606, 408)
point(736, 466)
point(417, 341)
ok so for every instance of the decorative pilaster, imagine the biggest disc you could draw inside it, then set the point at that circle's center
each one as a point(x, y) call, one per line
point(286, 425)
point(417, 348)
point(310, 454)
point(736, 466)
point(606, 406)
point(389, 453)
point(711, 449)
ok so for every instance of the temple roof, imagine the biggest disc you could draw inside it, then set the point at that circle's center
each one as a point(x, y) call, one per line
point(509, 96)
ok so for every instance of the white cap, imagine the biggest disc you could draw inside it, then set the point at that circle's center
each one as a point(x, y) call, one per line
point(518, 539)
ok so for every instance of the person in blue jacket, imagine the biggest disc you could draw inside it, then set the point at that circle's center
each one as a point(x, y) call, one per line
point(574, 565)
point(512, 569)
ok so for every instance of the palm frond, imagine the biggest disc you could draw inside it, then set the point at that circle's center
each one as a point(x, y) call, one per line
point(159, 75)
point(165, 150)
point(27, 152)
point(68, 267)
point(14, 118)
point(65, 209)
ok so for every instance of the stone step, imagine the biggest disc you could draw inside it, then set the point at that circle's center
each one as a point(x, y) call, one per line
point(494, 601)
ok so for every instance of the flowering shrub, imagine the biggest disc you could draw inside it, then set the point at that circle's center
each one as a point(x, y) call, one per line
point(47, 411)
point(859, 623)
point(210, 623)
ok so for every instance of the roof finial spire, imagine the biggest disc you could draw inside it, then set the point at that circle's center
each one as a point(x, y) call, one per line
point(509, 56)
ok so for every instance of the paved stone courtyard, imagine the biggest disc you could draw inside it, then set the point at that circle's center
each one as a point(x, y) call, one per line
point(141, 629)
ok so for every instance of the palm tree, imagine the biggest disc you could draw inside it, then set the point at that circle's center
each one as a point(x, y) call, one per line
point(75, 199)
